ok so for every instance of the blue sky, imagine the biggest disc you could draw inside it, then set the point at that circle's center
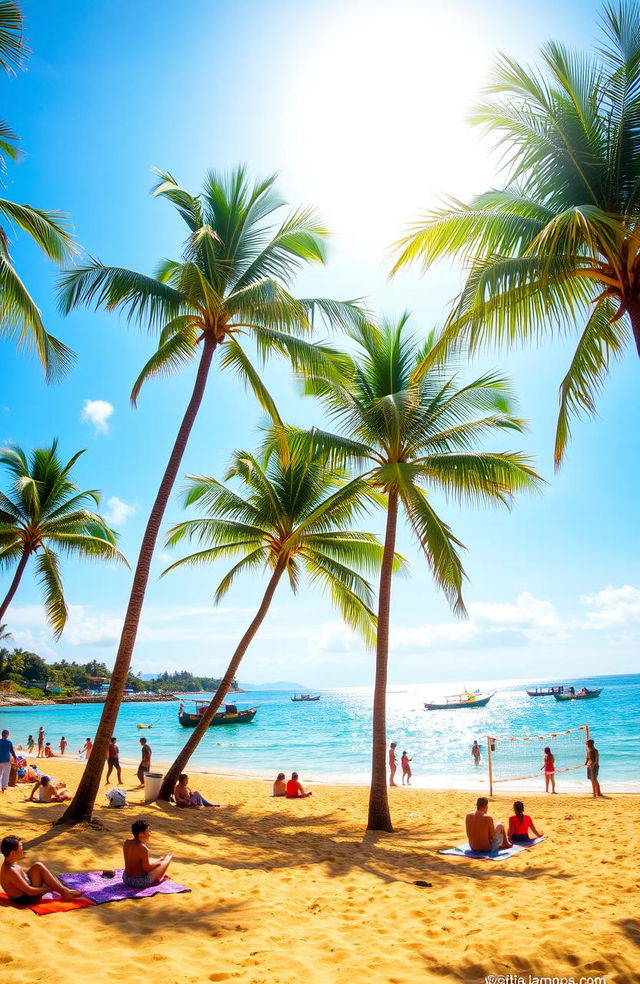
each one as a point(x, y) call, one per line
point(360, 107)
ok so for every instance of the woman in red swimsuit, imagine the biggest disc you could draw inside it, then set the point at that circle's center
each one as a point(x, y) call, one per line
point(549, 768)
point(520, 824)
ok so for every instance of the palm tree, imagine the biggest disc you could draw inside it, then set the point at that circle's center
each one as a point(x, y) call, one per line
point(4, 632)
point(558, 247)
point(19, 314)
point(232, 281)
point(45, 514)
point(291, 520)
point(414, 429)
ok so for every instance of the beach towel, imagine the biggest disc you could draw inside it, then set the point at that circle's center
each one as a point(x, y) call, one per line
point(100, 889)
point(47, 904)
point(464, 851)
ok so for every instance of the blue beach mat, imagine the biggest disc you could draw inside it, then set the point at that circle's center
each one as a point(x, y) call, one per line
point(464, 851)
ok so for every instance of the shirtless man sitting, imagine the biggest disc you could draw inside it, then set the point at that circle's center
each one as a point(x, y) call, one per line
point(140, 870)
point(295, 789)
point(47, 792)
point(26, 887)
point(482, 833)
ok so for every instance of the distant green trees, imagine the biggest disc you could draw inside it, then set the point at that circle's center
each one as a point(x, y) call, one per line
point(182, 682)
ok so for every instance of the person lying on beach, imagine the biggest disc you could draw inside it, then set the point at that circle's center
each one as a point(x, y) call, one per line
point(279, 786)
point(47, 792)
point(25, 887)
point(140, 870)
point(482, 833)
point(185, 798)
point(520, 824)
point(295, 789)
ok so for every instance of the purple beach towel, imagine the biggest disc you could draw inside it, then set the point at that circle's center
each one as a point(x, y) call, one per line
point(100, 889)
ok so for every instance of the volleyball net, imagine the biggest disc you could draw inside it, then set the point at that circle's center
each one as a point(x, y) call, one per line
point(515, 759)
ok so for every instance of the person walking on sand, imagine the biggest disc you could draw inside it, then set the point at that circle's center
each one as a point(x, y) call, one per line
point(406, 768)
point(86, 748)
point(40, 742)
point(549, 768)
point(63, 745)
point(145, 762)
point(475, 751)
point(140, 870)
point(7, 759)
point(393, 765)
point(483, 834)
point(113, 760)
point(26, 887)
point(592, 763)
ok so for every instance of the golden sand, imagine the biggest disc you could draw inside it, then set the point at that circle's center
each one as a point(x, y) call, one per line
point(286, 892)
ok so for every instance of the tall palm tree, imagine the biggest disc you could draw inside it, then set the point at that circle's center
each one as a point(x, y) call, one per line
point(557, 249)
point(44, 513)
point(414, 429)
point(232, 281)
point(291, 520)
point(19, 314)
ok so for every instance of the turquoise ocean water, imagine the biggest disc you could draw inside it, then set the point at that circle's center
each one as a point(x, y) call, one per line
point(329, 740)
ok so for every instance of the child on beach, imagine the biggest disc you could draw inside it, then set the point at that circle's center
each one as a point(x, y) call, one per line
point(549, 768)
point(140, 870)
point(406, 768)
point(520, 824)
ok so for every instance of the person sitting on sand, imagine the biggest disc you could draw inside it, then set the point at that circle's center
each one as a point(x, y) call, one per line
point(47, 792)
point(48, 751)
point(482, 833)
point(26, 887)
point(520, 824)
point(280, 786)
point(185, 798)
point(295, 789)
point(140, 870)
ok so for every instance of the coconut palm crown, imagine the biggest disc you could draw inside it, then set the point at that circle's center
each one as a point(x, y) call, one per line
point(414, 429)
point(288, 518)
point(557, 248)
point(45, 514)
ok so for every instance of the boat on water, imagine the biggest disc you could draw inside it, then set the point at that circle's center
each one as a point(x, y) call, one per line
point(582, 694)
point(144, 725)
point(230, 715)
point(457, 701)
point(305, 698)
point(545, 691)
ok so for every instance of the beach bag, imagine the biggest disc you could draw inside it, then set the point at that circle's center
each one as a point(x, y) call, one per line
point(117, 798)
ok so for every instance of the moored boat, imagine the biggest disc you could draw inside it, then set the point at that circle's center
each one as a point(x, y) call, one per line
point(583, 694)
point(305, 698)
point(230, 715)
point(545, 691)
point(457, 701)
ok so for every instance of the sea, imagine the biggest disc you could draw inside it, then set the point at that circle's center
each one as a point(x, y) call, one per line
point(329, 741)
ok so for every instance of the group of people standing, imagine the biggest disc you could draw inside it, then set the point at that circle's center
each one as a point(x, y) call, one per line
point(45, 750)
point(393, 765)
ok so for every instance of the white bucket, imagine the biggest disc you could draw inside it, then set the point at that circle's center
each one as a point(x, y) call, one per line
point(152, 786)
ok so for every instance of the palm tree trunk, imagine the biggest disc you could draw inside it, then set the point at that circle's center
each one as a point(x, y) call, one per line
point(16, 581)
point(634, 315)
point(379, 816)
point(82, 804)
point(200, 730)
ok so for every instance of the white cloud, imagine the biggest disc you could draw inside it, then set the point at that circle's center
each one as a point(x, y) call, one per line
point(97, 412)
point(118, 511)
point(612, 607)
point(531, 616)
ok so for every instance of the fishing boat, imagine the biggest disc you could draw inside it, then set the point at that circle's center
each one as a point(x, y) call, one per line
point(230, 715)
point(305, 698)
point(583, 694)
point(457, 701)
point(545, 691)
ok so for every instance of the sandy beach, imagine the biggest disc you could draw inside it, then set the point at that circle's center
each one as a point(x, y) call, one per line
point(283, 891)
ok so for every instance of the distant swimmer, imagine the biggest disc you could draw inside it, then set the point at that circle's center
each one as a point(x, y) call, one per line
point(476, 752)
point(140, 870)
point(393, 765)
point(295, 789)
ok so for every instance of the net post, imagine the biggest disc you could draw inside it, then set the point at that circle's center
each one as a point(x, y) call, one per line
point(489, 766)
